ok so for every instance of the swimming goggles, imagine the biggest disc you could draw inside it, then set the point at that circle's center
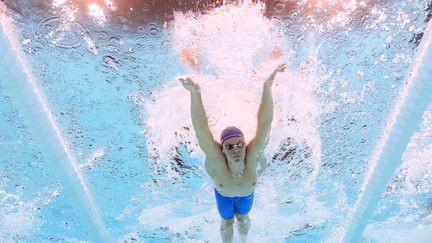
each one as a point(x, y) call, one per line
point(231, 146)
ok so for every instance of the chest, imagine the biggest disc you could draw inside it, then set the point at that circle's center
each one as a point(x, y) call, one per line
point(229, 185)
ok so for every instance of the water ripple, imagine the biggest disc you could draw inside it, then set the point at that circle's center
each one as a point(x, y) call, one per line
point(102, 35)
point(145, 7)
point(59, 32)
point(153, 29)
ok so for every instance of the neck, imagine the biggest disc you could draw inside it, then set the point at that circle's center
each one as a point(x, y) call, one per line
point(236, 168)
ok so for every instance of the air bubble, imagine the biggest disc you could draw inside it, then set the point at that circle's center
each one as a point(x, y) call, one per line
point(144, 7)
point(26, 14)
point(154, 31)
point(102, 35)
point(278, 6)
point(140, 42)
point(111, 62)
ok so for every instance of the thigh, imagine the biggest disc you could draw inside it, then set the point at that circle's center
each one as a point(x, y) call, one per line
point(244, 204)
point(225, 206)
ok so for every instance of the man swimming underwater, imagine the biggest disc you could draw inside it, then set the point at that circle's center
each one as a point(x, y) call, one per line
point(230, 162)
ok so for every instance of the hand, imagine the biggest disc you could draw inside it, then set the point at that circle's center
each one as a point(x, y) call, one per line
point(190, 58)
point(276, 53)
point(280, 68)
point(190, 85)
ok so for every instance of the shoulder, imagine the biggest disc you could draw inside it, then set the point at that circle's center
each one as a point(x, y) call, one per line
point(253, 149)
point(215, 160)
point(214, 151)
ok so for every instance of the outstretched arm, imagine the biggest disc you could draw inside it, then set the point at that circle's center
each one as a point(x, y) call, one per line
point(199, 118)
point(265, 115)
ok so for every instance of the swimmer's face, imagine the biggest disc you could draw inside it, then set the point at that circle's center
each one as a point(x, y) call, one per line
point(234, 149)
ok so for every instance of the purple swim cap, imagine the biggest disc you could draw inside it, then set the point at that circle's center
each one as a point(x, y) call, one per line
point(230, 132)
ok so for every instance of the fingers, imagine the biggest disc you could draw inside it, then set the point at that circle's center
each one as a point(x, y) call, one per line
point(281, 67)
point(182, 80)
point(186, 80)
point(189, 84)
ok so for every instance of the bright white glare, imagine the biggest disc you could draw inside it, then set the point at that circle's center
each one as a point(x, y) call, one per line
point(94, 157)
point(26, 41)
point(67, 14)
point(98, 13)
point(110, 4)
point(91, 46)
point(57, 3)
point(351, 5)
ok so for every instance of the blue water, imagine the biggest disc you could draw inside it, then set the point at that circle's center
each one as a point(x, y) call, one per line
point(110, 85)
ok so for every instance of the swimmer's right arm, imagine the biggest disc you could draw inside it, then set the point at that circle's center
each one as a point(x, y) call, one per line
point(199, 118)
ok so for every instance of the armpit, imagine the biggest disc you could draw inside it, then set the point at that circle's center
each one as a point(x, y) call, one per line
point(211, 171)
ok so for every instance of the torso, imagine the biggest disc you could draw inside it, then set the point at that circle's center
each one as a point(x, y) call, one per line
point(229, 186)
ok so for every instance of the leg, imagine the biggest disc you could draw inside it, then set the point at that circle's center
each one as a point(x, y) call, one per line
point(226, 230)
point(243, 226)
point(242, 209)
point(225, 207)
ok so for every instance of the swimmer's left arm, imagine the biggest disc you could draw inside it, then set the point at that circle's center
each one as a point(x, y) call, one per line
point(265, 115)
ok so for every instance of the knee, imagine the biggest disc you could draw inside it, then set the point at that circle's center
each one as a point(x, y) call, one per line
point(244, 221)
point(226, 224)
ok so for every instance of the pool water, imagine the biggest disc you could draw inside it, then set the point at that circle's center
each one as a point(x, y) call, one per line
point(96, 136)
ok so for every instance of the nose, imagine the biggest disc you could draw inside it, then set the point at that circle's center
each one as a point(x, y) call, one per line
point(236, 150)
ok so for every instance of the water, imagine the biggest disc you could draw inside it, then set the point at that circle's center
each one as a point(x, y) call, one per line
point(108, 76)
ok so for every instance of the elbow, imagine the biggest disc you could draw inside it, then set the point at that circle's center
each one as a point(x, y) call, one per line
point(265, 122)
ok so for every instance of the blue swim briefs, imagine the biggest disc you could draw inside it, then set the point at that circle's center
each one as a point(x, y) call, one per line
point(228, 206)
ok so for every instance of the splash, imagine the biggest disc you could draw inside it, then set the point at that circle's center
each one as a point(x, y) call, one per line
point(235, 46)
point(19, 217)
point(392, 231)
point(231, 74)
point(230, 40)
point(417, 160)
point(97, 13)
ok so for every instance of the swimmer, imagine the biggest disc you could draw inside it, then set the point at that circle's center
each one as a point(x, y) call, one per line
point(230, 162)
